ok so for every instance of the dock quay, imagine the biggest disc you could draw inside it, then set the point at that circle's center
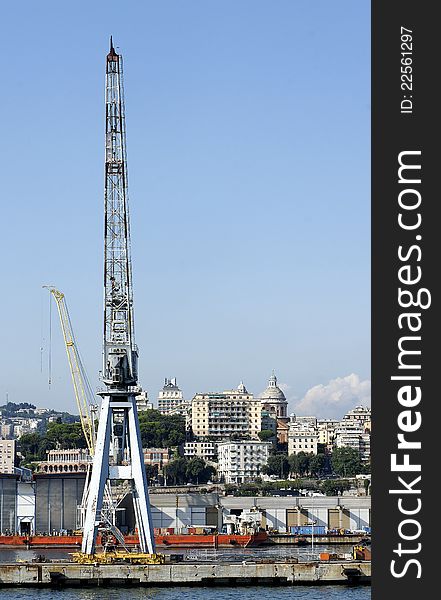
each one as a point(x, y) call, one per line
point(68, 574)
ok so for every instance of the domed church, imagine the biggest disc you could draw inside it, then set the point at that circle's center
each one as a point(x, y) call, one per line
point(274, 400)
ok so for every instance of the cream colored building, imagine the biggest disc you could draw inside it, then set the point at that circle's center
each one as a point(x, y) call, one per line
point(326, 430)
point(6, 430)
point(352, 435)
point(302, 439)
point(142, 401)
point(309, 422)
point(7, 456)
point(205, 450)
point(72, 460)
point(171, 399)
point(220, 415)
point(360, 415)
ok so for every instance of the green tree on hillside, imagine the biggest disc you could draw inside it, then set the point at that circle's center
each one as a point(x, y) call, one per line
point(30, 446)
point(299, 463)
point(151, 472)
point(65, 435)
point(175, 471)
point(34, 446)
point(346, 462)
point(277, 465)
point(161, 431)
point(184, 470)
point(334, 487)
point(317, 464)
point(266, 435)
point(197, 471)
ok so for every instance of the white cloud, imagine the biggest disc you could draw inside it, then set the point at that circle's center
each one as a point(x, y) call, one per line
point(335, 398)
point(285, 387)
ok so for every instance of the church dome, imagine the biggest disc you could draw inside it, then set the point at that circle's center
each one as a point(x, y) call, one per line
point(272, 393)
point(241, 388)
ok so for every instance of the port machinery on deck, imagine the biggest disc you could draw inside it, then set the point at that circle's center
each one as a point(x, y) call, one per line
point(118, 557)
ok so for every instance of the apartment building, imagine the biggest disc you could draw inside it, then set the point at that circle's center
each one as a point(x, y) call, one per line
point(171, 399)
point(239, 462)
point(326, 429)
point(302, 439)
point(360, 415)
point(7, 456)
point(220, 415)
point(142, 401)
point(353, 436)
point(205, 450)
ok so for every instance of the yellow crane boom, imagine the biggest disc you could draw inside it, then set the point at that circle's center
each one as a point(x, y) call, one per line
point(83, 393)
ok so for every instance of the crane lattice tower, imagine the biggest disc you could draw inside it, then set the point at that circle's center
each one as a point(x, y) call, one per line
point(118, 450)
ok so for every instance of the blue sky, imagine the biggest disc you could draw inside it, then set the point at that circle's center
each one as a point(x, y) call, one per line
point(248, 129)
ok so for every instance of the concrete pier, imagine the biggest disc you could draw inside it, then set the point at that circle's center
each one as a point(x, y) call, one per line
point(197, 573)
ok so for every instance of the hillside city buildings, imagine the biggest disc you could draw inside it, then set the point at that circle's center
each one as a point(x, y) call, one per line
point(232, 430)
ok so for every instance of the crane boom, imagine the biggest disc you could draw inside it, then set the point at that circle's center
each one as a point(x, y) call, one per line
point(120, 354)
point(83, 393)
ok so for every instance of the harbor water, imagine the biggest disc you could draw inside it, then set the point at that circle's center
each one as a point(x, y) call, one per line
point(217, 593)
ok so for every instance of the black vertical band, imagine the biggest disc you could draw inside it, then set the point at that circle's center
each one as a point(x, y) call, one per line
point(405, 329)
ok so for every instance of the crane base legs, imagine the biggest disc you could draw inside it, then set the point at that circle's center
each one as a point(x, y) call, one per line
point(118, 432)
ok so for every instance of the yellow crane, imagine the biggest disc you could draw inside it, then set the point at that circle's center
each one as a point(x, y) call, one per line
point(86, 408)
point(82, 389)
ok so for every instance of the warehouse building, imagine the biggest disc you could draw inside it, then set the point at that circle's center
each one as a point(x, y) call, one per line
point(50, 505)
point(17, 503)
point(56, 500)
point(280, 514)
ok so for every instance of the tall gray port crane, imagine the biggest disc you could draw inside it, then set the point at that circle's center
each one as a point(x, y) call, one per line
point(118, 451)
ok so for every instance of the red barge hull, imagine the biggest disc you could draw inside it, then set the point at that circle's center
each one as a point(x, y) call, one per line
point(162, 541)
